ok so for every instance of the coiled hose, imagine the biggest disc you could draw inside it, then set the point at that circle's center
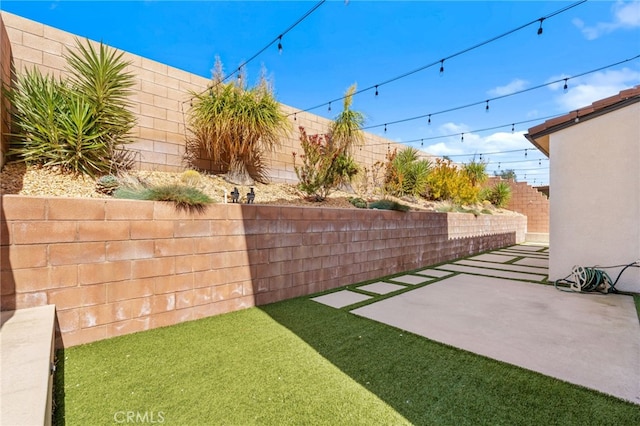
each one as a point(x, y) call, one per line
point(588, 279)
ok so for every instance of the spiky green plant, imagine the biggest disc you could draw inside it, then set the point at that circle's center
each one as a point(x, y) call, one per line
point(79, 124)
point(406, 173)
point(499, 195)
point(236, 125)
point(476, 171)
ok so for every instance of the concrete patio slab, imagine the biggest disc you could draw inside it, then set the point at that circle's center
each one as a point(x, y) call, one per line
point(494, 257)
point(494, 272)
point(340, 299)
point(381, 288)
point(530, 261)
point(563, 335)
point(436, 273)
point(410, 279)
point(503, 266)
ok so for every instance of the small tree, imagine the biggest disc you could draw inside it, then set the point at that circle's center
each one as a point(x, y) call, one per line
point(235, 126)
point(327, 161)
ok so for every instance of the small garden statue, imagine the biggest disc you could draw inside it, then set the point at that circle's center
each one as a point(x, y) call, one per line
point(235, 194)
point(251, 196)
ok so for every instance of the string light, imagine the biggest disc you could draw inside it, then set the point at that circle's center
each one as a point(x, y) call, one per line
point(280, 44)
point(540, 29)
point(519, 92)
point(429, 121)
point(486, 108)
point(461, 137)
point(329, 106)
point(525, 153)
point(385, 128)
point(566, 87)
point(376, 90)
point(461, 52)
point(513, 127)
point(295, 117)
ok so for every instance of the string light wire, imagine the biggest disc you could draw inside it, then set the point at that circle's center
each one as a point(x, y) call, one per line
point(456, 54)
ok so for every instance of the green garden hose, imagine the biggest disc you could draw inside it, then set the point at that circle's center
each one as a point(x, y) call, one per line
point(589, 279)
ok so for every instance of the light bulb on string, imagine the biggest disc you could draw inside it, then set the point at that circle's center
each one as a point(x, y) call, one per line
point(525, 153)
point(441, 67)
point(486, 108)
point(480, 156)
point(513, 127)
point(376, 90)
point(295, 116)
point(421, 142)
point(539, 162)
point(429, 121)
point(498, 165)
point(329, 106)
point(566, 87)
point(540, 29)
point(461, 137)
point(385, 128)
point(280, 44)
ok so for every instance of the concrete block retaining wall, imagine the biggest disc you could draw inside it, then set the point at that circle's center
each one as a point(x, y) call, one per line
point(114, 267)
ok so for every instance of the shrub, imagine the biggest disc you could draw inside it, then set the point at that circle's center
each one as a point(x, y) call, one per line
point(358, 202)
point(107, 184)
point(498, 195)
point(235, 125)
point(184, 197)
point(79, 124)
point(385, 204)
point(449, 182)
point(190, 177)
point(406, 173)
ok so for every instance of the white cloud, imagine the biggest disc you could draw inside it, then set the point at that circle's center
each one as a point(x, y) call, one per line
point(475, 143)
point(583, 91)
point(625, 15)
point(514, 86)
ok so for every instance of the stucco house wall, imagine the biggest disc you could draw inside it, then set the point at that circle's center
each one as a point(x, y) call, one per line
point(595, 213)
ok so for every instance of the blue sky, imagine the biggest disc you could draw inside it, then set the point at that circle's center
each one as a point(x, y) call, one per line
point(370, 42)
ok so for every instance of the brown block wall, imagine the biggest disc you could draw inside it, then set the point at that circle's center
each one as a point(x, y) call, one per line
point(114, 267)
point(161, 102)
point(530, 202)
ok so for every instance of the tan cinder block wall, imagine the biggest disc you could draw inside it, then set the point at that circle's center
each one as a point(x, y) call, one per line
point(528, 201)
point(161, 102)
point(114, 267)
point(5, 79)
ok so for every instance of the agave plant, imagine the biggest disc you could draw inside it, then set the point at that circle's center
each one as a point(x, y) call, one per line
point(235, 126)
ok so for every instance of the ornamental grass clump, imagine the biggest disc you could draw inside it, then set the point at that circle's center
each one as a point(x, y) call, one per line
point(184, 197)
point(79, 124)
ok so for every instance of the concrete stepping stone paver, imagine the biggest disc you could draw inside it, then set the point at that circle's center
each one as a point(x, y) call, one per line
point(341, 298)
point(410, 279)
point(529, 261)
point(492, 257)
point(436, 273)
point(494, 272)
point(563, 335)
point(381, 287)
point(504, 266)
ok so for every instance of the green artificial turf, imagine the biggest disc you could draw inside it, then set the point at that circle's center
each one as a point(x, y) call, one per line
point(299, 362)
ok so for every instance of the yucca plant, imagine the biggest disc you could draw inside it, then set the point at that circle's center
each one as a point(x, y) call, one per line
point(499, 195)
point(346, 129)
point(406, 173)
point(476, 171)
point(80, 124)
point(236, 125)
